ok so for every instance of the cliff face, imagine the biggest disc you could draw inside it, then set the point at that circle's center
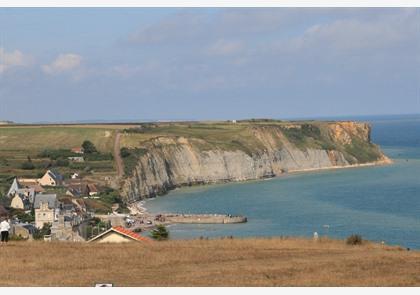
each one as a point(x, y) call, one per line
point(270, 150)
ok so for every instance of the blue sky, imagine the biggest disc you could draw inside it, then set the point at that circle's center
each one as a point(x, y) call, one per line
point(67, 64)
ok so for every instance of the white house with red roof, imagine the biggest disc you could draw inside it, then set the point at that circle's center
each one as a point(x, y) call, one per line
point(118, 234)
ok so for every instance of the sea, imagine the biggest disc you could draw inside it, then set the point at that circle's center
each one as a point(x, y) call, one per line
point(380, 203)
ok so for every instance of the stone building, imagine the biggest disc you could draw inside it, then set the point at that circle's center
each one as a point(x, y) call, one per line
point(65, 229)
point(46, 209)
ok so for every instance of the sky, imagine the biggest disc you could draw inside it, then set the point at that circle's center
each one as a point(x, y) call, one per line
point(116, 64)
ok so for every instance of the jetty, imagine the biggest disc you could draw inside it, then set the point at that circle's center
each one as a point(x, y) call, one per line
point(200, 218)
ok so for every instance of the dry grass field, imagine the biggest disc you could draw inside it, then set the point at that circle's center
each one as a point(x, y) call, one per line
point(37, 138)
point(223, 262)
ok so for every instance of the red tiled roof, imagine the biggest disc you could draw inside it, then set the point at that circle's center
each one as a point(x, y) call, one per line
point(130, 234)
point(92, 188)
point(77, 149)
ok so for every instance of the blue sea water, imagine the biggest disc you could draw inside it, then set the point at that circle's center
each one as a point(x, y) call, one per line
point(381, 203)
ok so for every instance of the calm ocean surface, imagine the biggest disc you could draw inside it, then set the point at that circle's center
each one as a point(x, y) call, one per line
point(380, 203)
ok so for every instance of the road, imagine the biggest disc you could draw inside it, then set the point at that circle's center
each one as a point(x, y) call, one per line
point(117, 155)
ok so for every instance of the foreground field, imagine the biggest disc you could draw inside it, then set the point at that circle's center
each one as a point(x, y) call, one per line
point(236, 262)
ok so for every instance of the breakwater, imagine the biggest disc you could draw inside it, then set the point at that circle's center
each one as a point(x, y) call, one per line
point(201, 218)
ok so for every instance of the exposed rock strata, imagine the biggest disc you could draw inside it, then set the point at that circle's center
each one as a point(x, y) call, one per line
point(178, 161)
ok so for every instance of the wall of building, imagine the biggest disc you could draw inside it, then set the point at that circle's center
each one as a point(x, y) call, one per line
point(17, 203)
point(113, 237)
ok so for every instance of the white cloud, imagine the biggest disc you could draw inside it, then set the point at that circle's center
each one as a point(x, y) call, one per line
point(179, 27)
point(63, 63)
point(13, 59)
point(224, 47)
point(343, 35)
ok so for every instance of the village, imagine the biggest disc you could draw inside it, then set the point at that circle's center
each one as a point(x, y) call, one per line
point(56, 208)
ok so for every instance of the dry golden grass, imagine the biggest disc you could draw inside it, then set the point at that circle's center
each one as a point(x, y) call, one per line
point(237, 262)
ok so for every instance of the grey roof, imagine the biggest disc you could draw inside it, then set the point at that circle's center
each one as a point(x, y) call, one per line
point(14, 187)
point(50, 198)
point(29, 191)
point(55, 175)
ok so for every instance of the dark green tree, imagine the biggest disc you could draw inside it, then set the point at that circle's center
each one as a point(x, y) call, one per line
point(40, 233)
point(89, 147)
point(125, 152)
point(160, 233)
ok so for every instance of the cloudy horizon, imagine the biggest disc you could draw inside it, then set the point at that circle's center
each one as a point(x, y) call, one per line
point(74, 64)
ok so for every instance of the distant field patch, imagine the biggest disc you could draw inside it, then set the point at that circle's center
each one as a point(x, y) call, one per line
point(37, 138)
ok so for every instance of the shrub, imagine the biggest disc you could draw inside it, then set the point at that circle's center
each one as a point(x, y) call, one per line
point(40, 233)
point(99, 157)
point(125, 152)
point(28, 165)
point(24, 217)
point(160, 233)
point(62, 163)
point(354, 240)
point(55, 154)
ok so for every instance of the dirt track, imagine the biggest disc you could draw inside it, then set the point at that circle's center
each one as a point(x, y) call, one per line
point(117, 155)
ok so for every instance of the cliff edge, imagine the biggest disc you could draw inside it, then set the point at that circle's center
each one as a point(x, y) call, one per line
point(161, 157)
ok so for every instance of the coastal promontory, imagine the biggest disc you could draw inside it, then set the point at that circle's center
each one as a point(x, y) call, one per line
point(160, 157)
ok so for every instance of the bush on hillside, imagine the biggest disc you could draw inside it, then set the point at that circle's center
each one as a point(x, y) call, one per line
point(354, 240)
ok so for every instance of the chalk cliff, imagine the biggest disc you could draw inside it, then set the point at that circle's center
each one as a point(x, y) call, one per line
point(262, 151)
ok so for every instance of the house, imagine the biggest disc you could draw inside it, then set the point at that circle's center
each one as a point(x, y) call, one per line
point(76, 188)
point(66, 207)
point(20, 201)
point(13, 188)
point(46, 209)
point(23, 190)
point(30, 183)
point(51, 178)
point(92, 190)
point(78, 150)
point(73, 192)
point(27, 182)
point(27, 193)
point(118, 234)
point(74, 176)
